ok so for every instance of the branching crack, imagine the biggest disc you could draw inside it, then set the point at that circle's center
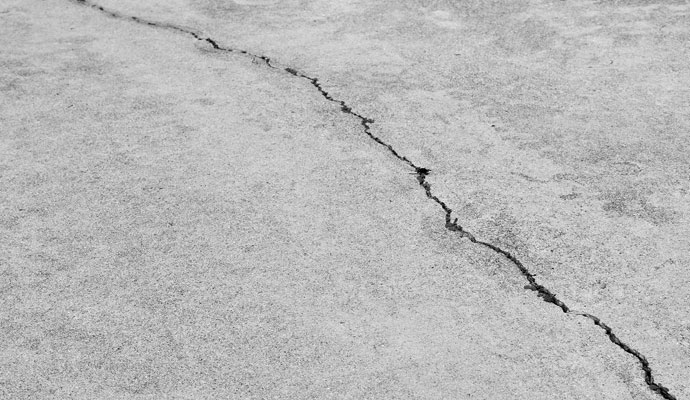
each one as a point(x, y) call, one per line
point(421, 174)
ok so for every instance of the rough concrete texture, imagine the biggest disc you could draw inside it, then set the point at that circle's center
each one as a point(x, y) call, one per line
point(181, 220)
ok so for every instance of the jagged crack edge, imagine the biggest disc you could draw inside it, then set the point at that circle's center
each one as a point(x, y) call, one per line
point(162, 25)
point(452, 225)
point(421, 174)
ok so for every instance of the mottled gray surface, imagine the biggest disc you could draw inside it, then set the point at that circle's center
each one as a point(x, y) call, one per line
point(178, 222)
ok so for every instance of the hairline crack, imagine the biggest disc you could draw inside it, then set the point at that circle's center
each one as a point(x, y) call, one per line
point(421, 174)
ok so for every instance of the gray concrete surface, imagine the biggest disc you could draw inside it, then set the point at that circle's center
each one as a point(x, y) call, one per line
point(182, 222)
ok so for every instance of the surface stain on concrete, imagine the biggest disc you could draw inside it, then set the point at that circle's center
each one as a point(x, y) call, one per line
point(634, 204)
point(570, 196)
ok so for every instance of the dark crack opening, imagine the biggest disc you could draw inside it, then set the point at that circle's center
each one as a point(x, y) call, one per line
point(421, 174)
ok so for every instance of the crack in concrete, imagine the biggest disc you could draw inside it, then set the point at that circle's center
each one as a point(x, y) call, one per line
point(421, 174)
point(176, 28)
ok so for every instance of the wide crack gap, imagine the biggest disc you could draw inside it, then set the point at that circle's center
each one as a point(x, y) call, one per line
point(421, 174)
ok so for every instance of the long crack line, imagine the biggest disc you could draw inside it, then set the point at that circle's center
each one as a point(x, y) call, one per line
point(421, 174)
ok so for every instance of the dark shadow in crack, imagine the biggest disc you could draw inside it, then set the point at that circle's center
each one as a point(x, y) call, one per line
point(421, 175)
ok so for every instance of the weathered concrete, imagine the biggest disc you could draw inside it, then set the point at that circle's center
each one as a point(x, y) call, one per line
point(185, 222)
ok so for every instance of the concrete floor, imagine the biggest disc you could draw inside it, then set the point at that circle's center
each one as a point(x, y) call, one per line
point(183, 218)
